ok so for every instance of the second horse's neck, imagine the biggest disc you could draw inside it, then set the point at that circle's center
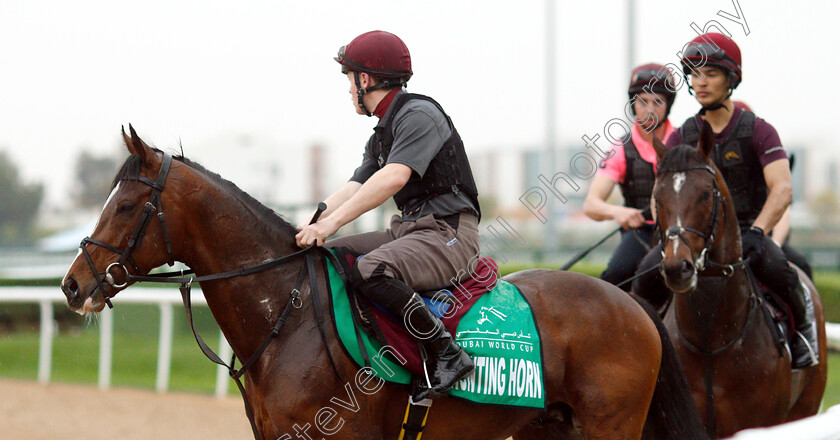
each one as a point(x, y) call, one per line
point(714, 314)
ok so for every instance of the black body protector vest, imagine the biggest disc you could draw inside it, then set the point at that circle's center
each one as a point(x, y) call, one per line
point(639, 178)
point(737, 161)
point(448, 172)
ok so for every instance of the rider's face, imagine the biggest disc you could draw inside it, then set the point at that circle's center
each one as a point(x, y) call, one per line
point(650, 109)
point(364, 80)
point(710, 87)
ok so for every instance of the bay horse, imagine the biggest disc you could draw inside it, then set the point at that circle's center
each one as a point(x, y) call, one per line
point(601, 350)
point(739, 378)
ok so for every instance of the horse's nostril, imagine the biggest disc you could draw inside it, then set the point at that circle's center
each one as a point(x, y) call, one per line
point(70, 288)
point(686, 267)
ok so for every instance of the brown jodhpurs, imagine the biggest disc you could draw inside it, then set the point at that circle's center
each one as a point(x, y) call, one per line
point(426, 254)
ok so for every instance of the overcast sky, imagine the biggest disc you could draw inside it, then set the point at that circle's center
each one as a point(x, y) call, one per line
point(74, 71)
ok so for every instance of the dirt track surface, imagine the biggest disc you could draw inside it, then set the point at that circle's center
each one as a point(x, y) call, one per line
point(62, 412)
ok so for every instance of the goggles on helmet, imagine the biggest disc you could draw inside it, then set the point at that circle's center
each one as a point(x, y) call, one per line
point(709, 52)
point(646, 75)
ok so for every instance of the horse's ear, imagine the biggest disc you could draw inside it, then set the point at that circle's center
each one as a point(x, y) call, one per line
point(706, 143)
point(659, 147)
point(135, 144)
point(127, 140)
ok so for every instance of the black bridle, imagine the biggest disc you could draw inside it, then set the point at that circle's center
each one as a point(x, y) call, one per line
point(702, 262)
point(152, 206)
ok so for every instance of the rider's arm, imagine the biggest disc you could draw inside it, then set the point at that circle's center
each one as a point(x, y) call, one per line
point(777, 176)
point(375, 191)
point(782, 229)
point(338, 198)
point(595, 206)
point(381, 186)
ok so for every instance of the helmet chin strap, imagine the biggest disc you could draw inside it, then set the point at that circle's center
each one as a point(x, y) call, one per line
point(386, 84)
point(360, 94)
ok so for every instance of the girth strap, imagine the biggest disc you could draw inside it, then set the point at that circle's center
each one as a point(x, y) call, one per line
point(319, 313)
point(414, 421)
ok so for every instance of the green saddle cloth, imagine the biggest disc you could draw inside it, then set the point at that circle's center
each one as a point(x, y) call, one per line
point(498, 332)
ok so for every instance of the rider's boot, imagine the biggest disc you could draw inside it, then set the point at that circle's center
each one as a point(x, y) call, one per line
point(445, 361)
point(805, 348)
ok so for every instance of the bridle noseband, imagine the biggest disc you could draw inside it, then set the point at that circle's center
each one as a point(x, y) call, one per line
point(701, 262)
point(153, 205)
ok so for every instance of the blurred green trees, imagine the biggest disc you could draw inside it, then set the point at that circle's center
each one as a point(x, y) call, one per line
point(92, 179)
point(19, 204)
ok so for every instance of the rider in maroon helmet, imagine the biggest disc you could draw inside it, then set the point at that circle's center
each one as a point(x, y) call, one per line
point(633, 167)
point(754, 165)
point(417, 157)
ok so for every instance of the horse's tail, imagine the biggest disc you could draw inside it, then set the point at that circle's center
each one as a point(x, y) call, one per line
point(672, 413)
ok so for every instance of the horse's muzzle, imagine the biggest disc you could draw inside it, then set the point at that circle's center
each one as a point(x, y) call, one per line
point(70, 287)
point(680, 276)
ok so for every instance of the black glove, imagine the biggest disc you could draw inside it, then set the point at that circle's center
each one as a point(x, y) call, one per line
point(752, 243)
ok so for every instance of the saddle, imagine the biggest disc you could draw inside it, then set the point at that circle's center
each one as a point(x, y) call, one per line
point(777, 314)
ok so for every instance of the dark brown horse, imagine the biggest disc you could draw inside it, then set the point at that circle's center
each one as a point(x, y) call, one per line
point(716, 322)
point(601, 350)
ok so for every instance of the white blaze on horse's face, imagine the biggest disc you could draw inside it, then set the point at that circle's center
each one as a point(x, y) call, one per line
point(675, 239)
point(679, 180)
point(111, 196)
point(78, 253)
point(108, 201)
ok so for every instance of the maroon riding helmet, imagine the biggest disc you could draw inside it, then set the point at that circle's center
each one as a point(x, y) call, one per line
point(380, 54)
point(713, 49)
point(652, 78)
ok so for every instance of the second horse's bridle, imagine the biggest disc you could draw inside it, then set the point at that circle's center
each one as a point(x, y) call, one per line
point(702, 262)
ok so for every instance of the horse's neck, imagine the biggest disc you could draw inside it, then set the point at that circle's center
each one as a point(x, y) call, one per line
point(714, 313)
point(226, 236)
point(229, 235)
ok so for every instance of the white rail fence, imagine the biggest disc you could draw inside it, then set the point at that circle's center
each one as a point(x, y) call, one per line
point(824, 426)
point(165, 299)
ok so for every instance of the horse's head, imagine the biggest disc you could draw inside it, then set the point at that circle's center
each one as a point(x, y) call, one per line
point(690, 200)
point(131, 235)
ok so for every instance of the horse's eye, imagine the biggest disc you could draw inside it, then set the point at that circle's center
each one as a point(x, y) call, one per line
point(706, 195)
point(122, 209)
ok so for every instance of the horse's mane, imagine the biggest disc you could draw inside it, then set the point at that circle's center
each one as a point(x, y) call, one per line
point(131, 170)
point(678, 158)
